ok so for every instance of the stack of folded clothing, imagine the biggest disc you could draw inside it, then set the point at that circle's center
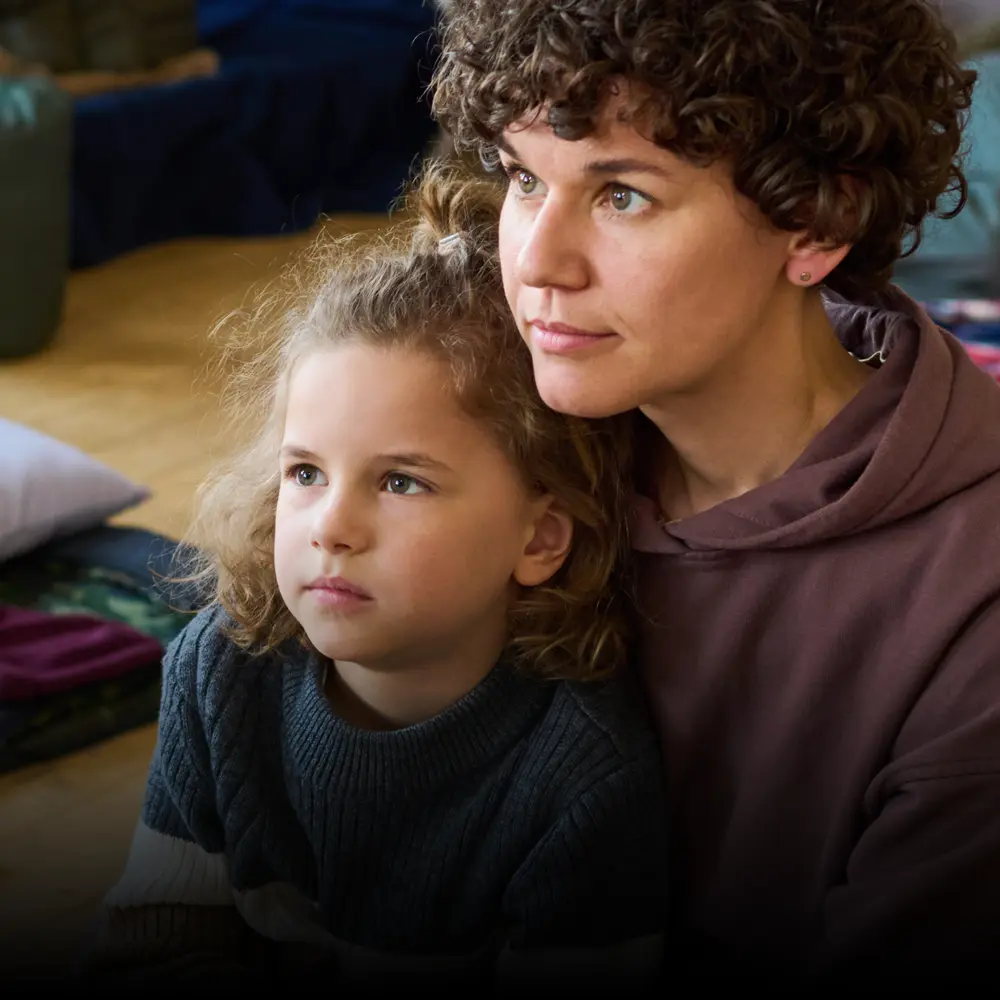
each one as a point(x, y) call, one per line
point(975, 322)
point(83, 624)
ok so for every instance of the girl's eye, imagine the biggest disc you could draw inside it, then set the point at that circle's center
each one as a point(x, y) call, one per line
point(403, 485)
point(625, 200)
point(304, 475)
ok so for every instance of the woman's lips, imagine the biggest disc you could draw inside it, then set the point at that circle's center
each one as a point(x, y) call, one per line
point(559, 338)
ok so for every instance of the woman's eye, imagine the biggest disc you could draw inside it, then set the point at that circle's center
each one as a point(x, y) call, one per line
point(625, 200)
point(402, 485)
point(527, 183)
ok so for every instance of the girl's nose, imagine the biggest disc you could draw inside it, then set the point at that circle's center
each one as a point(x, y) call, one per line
point(340, 524)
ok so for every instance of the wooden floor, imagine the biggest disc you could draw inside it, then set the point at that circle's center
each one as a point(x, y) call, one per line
point(125, 382)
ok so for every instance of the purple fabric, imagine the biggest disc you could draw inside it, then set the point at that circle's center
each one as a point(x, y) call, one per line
point(43, 654)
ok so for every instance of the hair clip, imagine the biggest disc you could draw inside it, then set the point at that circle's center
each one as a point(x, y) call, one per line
point(449, 241)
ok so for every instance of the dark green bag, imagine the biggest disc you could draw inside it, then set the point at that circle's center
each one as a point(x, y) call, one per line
point(125, 35)
point(41, 31)
point(36, 125)
point(104, 35)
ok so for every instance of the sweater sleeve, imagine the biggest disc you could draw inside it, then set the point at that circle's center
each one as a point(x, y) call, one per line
point(589, 905)
point(172, 912)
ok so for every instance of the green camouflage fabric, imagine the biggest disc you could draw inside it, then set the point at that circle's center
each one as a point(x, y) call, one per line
point(45, 728)
point(64, 588)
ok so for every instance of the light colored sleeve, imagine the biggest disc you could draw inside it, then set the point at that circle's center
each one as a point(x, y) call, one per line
point(173, 906)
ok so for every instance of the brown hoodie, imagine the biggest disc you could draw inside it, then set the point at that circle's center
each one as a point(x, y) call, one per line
point(823, 658)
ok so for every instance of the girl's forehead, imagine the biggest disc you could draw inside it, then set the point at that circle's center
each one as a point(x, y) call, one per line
point(364, 395)
point(356, 372)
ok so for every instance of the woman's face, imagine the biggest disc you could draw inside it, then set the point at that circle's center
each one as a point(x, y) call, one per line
point(634, 276)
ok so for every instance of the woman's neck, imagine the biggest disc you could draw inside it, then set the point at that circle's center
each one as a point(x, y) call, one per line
point(751, 422)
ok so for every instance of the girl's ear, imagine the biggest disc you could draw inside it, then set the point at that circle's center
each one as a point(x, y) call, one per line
point(548, 538)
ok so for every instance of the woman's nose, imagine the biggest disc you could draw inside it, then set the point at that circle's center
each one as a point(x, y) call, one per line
point(552, 251)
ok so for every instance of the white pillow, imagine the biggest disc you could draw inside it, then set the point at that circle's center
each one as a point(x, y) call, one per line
point(49, 488)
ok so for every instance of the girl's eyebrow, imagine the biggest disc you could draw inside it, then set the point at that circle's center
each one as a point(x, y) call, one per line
point(602, 168)
point(295, 451)
point(415, 459)
point(412, 459)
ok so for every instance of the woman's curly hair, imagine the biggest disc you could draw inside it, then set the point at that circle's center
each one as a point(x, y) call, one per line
point(404, 289)
point(796, 95)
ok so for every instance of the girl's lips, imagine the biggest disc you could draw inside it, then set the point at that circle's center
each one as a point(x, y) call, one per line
point(336, 592)
point(342, 600)
point(557, 338)
point(339, 583)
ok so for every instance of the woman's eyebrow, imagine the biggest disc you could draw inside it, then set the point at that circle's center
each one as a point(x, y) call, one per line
point(626, 165)
point(505, 147)
point(603, 168)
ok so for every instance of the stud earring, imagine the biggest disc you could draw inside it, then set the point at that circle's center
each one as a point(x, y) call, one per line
point(805, 277)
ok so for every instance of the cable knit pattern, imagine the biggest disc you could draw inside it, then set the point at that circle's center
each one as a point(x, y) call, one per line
point(526, 816)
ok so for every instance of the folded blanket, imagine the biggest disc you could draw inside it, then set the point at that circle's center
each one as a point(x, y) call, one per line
point(113, 573)
point(42, 729)
point(43, 654)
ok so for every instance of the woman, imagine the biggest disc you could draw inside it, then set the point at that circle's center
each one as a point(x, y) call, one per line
point(706, 201)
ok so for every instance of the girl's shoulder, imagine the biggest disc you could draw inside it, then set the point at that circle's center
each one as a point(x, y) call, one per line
point(204, 663)
point(615, 711)
point(592, 732)
point(204, 641)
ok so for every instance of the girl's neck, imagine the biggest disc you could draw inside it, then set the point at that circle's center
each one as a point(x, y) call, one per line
point(753, 421)
point(410, 688)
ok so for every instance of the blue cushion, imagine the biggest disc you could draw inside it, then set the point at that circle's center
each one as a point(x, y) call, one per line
point(318, 108)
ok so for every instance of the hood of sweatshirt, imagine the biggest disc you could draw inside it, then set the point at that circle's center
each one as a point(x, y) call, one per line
point(924, 427)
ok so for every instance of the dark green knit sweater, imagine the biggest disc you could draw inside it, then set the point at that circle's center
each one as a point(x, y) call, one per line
point(520, 830)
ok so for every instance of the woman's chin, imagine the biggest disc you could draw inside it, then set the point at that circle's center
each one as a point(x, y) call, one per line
point(577, 397)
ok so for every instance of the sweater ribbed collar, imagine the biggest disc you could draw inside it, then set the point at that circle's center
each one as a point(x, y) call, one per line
point(484, 725)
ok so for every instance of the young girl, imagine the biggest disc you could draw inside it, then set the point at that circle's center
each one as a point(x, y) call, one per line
point(397, 744)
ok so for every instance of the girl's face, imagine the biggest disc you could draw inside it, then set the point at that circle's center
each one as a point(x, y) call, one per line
point(677, 275)
point(400, 524)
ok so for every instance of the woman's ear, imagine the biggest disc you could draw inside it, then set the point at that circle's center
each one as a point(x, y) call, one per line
point(810, 262)
point(548, 538)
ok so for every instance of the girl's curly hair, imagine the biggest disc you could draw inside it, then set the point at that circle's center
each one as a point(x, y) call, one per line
point(796, 95)
point(404, 289)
